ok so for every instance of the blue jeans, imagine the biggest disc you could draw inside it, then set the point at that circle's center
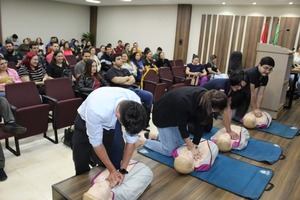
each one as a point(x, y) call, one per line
point(169, 138)
point(146, 96)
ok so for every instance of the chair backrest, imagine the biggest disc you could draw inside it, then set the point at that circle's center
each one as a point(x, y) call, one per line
point(11, 64)
point(179, 62)
point(16, 93)
point(71, 59)
point(59, 88)
point(178, 71)
point(235, 61)
point(151, 75)
point(165, 72)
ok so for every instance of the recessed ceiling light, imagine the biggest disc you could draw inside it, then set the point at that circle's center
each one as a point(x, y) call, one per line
point(223, 3)
point(127, 0)
point(254, 3)
point(93, 1)
point(291, 3)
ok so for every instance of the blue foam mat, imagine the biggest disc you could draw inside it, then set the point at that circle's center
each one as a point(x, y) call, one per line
point(281, 130)
point(233, 175)
point(256, 149)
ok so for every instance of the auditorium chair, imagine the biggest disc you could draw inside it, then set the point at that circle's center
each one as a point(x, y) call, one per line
point(166, 76)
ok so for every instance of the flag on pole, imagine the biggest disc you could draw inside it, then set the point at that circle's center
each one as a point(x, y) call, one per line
point(264, 35)
point(276, 33)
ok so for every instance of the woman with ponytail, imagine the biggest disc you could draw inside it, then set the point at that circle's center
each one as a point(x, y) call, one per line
point(181, 112)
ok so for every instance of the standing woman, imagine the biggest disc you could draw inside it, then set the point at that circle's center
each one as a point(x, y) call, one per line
point(90, 79)
point(32, 71)
point(95, 58)
point(196, 69)
point(7, 76)
point(190, 110)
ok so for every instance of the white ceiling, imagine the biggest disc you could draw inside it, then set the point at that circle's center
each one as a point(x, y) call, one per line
point(161, 2)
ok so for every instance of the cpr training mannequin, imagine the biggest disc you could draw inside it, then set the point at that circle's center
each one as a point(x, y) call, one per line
point(184, 162)
point(134, 184)
point(225, 143)
point(250, 121)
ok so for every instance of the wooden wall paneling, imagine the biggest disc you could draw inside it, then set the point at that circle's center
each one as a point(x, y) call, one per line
point(275, 20)
point(287, 39)
point(201, 36)
point(234, 37)
point(212, 37)
point(93, 23)
point(222, 40)
point(184, 13)
point(207, 33)
point(241, 33)
point(252, 37)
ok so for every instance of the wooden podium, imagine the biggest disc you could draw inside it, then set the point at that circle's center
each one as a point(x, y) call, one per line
point(275, 93)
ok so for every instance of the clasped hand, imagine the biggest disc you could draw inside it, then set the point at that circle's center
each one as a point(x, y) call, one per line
point(115, 178)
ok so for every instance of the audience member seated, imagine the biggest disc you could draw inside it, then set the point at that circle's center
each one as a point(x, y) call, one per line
point(66, 49)
point(156, 55)
point(24, 48)
point(102, 51)
point(127, 49)
point(106, 60)
point(58, 67)
point(53, 39)
point(136, 46)
point(11, 54)
point(122, 78)
point(95, 58)
point(7, 76)
point(61, 44)
point(90, 79)
point(32, 71)
point(196, 69)
point(128, 65)
point(120, 47)
point(136, 61)
point(132, 51)
point(40, 43)
point(212, 70)
point(162, 61)
point(76, 49)
point(14, 39)
point(149, 62)
point(10, 126)
point(80, 66)
point(35, 49)
point(54, 47)
point(296, 66)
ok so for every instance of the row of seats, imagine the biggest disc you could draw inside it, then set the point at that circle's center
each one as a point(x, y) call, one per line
point(59, 106)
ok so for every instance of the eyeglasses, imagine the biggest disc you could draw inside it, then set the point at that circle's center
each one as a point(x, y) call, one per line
point(269, 69)
point(4, 63)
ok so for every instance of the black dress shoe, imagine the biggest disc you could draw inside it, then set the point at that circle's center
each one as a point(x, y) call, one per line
point(3, 175)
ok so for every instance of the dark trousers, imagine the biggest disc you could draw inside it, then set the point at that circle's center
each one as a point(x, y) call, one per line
point(83, 151)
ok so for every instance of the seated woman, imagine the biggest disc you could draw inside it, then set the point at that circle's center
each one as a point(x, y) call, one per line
point(212, 70)
point(128, 65)
point(136, 61)
point(162, 61)
point(196, 69)
point(149, 62)
point(66, 49)
point(90, 79)
point(32, 71)
point(95, 58)
point(7, 76)
point(58, 65)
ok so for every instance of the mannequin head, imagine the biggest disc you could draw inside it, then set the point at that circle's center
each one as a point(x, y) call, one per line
point(249, 120)
point(184, 163)
point(223, 142)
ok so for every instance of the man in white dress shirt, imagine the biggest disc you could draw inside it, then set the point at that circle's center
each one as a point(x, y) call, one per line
point(98, 133)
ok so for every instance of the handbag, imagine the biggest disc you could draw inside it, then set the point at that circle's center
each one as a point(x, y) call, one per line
point(68, 135)
point(194, 80)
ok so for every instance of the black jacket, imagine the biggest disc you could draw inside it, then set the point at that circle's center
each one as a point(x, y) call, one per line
point(85, 83)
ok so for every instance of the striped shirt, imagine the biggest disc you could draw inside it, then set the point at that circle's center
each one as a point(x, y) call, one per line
point(35, 75)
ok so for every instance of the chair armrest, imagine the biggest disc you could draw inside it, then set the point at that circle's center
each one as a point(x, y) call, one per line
point(13, 109)
point(165, 80)
point(178, 79)
point(45, 97)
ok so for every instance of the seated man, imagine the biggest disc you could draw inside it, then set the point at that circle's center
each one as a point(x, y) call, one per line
point(118, 76)
point(9, 126)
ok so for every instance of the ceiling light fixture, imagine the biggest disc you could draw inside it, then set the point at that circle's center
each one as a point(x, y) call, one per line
point(127, 0)
point(93, 1)
point(223, 3)
point(291, 3)
point(254, 3)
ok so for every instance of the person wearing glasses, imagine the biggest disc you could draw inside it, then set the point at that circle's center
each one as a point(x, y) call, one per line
point(258, 78)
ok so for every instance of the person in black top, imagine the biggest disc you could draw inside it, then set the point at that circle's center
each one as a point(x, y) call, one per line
point(232, 88)
point(181, 112)
point(162, 61)
point(258, 78)
point(57, 65)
